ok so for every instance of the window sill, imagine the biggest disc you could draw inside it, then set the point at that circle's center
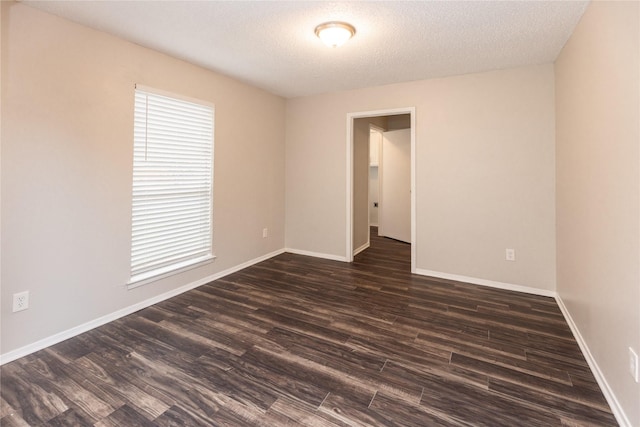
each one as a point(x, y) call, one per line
point(146, 278)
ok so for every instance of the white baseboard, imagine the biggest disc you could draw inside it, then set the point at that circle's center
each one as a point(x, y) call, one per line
point(77, 330)
point(485, 282)
point(316, 254)
point(616, 408)
point(361, 248)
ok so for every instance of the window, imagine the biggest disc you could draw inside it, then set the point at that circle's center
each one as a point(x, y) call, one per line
point(172, 185)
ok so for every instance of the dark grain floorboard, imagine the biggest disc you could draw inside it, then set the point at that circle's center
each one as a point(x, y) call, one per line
point(300, 341)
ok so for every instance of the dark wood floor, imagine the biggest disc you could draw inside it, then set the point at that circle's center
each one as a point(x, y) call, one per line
point(302, 341)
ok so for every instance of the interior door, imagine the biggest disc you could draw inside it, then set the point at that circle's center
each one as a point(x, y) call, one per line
point(395, 177)
point(375, 142)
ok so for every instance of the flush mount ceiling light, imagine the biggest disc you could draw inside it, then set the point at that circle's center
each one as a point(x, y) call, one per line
point(335, 34)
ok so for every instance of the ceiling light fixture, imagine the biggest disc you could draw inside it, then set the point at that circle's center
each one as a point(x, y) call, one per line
point(335, 34)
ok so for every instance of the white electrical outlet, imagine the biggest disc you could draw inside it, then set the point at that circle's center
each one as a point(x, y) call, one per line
point(20, 301)
point(510, 254)
point(633, 364)
point(265, 232)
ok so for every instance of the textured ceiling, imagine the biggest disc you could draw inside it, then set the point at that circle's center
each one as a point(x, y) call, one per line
point(271, 44)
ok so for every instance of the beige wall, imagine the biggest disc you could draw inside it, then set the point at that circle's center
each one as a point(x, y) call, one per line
point(67, 132)
point(485, 172)
point(598, 189)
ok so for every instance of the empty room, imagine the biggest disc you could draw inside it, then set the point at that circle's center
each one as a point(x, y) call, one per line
point(282, 213)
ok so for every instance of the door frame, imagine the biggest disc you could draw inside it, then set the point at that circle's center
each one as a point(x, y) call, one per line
point(349, 176)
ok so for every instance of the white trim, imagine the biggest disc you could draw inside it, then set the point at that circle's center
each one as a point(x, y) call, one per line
point(77, 330)
point(414, 192)
point(485, 282)
point(316, 254)
point(349, 191)
point(616, 408)
point(349, 181)
point(361, 248)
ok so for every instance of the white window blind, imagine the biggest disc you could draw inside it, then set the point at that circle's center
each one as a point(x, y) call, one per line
point(172, 185)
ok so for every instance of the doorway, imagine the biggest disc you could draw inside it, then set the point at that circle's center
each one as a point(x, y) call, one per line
point(355, 188)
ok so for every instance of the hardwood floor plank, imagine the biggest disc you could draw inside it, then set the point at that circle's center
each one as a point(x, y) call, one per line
point(514, 322)
point(176, 416)
point(296, 413)
point(402, 351)
point(336, 355)
point(125, 416)
point(574, 365)
point(560, 345)
point(505, 366)
point(463, 343)
point(347, 412)
point(13, 420)
point(309, 375)
point(360, 328)
point(119, 383)
point(5, 408)
point(579, 407)
point(305, 327)
point(70, 350)
point(400, 413)
point(70, 418)
point(31, 402)
point(56, 376)
point(566, 392)
point(473, 405)
point(297, 340)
